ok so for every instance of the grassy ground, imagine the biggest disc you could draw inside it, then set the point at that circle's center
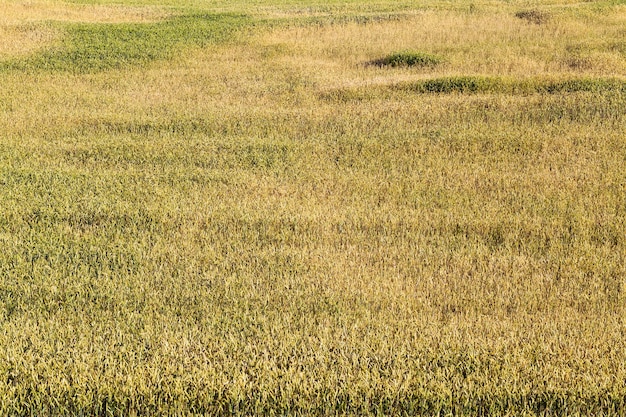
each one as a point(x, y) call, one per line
point(239, 207)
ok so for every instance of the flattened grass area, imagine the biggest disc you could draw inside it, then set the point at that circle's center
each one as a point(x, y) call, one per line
point(229, 211)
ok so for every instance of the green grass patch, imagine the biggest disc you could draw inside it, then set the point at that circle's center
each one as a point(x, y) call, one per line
point(408, 59)
point(484, 85)
point(98, 47)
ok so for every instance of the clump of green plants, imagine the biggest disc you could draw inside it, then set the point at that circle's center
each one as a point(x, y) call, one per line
point(408, 59)
point(490, 85)
point(468, 84)
point(462, 84)
point(535, 16)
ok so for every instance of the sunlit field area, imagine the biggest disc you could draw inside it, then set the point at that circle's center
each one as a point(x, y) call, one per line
point(307, 207)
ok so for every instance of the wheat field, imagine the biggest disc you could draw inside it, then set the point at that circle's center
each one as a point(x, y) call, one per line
point(243, 208)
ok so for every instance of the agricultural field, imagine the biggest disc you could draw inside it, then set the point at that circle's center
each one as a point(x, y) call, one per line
point(307, 207)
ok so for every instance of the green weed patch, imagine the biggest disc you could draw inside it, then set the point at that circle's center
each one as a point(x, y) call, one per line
point(478, 84)
point(483, 85)
point(98, 47)
point(408, 59)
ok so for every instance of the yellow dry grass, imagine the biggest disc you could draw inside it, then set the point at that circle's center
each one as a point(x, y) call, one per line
point(218, 234)
point(20, 40)
point(19, 11)
point(495, 43)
